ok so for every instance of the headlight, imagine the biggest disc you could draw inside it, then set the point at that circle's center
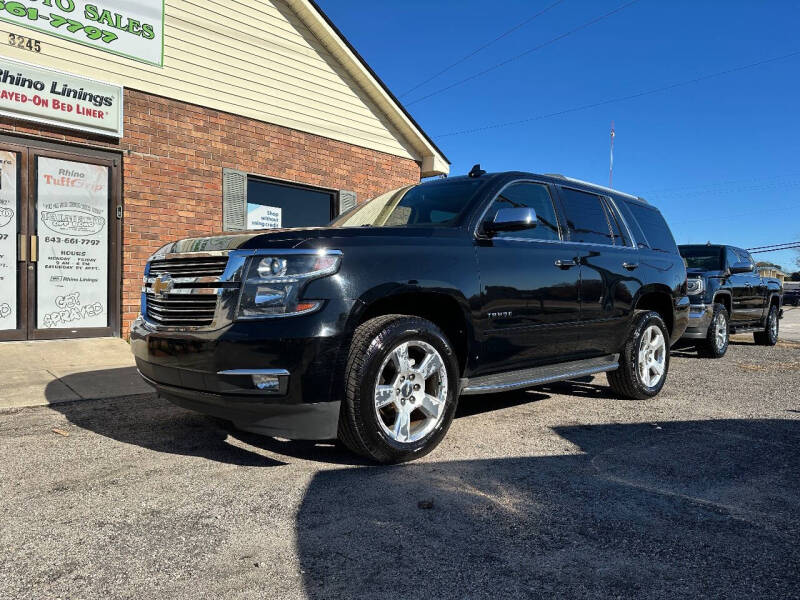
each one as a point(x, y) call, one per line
point(695, 286)
point(273, 283)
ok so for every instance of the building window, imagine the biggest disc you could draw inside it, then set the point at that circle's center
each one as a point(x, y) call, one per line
point(271, 204)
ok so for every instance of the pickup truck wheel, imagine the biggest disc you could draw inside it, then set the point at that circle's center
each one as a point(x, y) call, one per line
point(768, 337)
point(716, 343)
point(400, 389)
point(644, 360)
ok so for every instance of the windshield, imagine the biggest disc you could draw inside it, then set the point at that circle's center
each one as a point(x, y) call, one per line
point(707, 258)
point(439, 203)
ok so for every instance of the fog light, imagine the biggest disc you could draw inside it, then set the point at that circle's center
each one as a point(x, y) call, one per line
point(267, 383)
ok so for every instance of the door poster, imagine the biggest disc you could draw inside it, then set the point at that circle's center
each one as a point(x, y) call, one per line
point(72, 225)
point(8, 240)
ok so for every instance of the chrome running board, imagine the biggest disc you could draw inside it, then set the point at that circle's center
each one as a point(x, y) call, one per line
point(515, 380)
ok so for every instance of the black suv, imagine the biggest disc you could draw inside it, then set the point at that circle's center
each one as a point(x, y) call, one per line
point(728, 296)
point(370, 329)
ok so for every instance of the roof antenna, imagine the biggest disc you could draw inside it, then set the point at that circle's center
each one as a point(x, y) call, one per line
point(477, 171)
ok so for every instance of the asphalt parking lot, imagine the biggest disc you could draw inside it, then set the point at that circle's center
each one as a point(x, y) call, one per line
point(561, 491)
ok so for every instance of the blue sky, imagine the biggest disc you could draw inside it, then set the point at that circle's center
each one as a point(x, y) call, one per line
point(720, 158)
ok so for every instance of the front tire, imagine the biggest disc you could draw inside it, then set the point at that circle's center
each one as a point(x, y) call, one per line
point(768, 337)
point(644, 360)
point(716, 343)
point(401, 389)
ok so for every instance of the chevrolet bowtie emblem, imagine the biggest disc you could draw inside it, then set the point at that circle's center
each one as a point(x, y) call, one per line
point(163, 284)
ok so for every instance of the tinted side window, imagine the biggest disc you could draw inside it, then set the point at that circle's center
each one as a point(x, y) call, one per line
point(586, 217)
point(621, 237)
point(655, 228)
point(744, 256)
point(730, 256)
point(528, 195)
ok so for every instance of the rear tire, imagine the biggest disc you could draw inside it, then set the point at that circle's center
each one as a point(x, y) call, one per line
point(401, 389)
point(768, 337)
point(716, 343)
point(644, 360)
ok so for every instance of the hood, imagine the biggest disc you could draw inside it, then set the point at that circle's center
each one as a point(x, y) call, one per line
point(305, 237)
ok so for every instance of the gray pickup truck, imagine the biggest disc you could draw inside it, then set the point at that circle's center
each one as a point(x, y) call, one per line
point(728, 296)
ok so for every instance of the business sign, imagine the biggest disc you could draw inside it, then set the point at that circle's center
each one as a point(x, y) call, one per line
point(131, 29)
point(49, 96)
point(72, 272)
point(8, 240)
point(263, 217)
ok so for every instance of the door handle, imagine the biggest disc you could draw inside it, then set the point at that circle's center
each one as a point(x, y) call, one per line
point(565, 264)
point(34, 248)
point(630, 266)
point(22, 248)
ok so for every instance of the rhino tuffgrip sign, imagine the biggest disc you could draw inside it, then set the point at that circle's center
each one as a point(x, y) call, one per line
point(131, 29)
point(56, 98)
point(72, 271)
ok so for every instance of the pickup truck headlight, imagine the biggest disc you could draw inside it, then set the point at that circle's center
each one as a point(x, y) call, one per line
point(273, 283)
point(694, 286)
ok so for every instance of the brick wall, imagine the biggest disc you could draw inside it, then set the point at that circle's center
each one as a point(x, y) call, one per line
point(173, 156)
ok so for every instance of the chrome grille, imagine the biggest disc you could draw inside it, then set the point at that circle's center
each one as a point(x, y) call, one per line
point(192, 295)
point(207, 266)
point(182, 310)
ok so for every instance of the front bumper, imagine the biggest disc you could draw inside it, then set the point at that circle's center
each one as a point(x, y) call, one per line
point(211, 371)
point(699, 320)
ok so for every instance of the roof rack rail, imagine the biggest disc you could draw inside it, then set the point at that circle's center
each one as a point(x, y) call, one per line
point(594, 185)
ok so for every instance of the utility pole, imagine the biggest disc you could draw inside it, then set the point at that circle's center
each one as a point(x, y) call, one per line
point(611, 163)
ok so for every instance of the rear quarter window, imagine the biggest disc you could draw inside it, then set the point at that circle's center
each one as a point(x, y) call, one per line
point(651, 223)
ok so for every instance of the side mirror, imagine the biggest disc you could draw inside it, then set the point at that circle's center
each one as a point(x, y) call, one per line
point(741, 267)
point(511, 219)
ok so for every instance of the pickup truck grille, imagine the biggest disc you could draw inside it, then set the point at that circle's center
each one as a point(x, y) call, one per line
point(182, 310)
point(192, 298)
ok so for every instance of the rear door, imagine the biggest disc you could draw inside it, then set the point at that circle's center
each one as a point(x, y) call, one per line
point(529, 304)
point(609, 267)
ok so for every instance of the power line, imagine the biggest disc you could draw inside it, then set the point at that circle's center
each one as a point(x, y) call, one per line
point(716, 191)
point(774, 245)
point(529, 51)
point(796, 246)
point(627, 97)
point(736, 216)
point(725, 182)
point(481, 48)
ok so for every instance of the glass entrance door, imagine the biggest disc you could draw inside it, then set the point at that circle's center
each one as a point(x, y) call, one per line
point(72, 215)
point(59, 232)
point(13, 242)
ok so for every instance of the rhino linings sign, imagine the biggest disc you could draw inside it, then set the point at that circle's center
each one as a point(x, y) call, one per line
point(50, 96)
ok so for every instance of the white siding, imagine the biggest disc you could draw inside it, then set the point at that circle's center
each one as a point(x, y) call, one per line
point(259, 61)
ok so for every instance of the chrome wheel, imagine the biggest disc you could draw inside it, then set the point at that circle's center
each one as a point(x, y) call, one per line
point(411, 391)
point(773, 324)
point(721, 331)
point(652, 356)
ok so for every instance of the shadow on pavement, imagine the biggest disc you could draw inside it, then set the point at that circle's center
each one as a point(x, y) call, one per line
point(155, 424)
point(685, 509)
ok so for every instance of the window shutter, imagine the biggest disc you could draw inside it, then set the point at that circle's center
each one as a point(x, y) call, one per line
point(347, 200)
point(234, 200)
